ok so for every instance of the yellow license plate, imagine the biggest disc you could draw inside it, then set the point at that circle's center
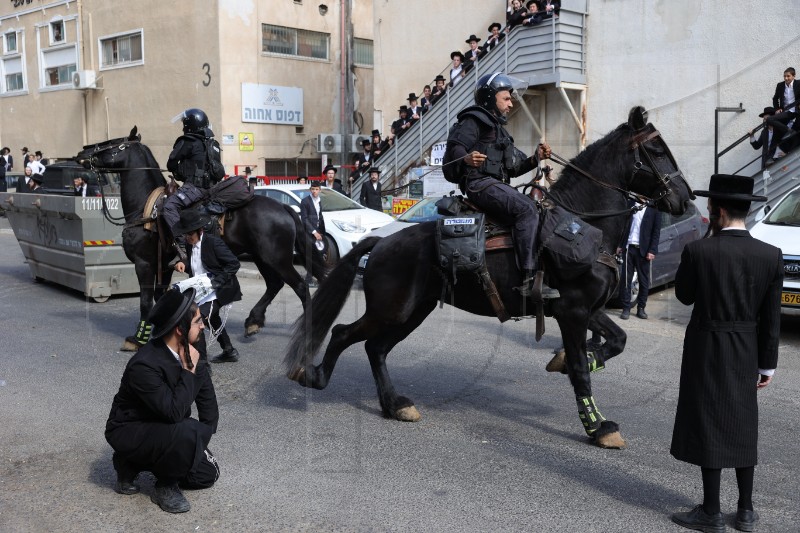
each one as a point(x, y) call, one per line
point(790, 298)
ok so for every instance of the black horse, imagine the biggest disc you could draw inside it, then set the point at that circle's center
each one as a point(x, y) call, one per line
point(402, 282)
point(264, 228)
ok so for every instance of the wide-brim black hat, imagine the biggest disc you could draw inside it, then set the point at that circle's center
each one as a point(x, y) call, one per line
point(494, 25)
point(439, 77)
point(412, 96)
point(329, 167)
point(365, 142)
point(190, 221)
point(769, 111)
point(38, 178)
point(458, 54)
point(403, 109)
point(473, 37)
point(376, 133)
point(731, 187)
point(169, 310)
point(374, 169)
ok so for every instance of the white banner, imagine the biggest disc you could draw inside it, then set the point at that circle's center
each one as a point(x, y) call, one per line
point(272, 104)
point(437, 153)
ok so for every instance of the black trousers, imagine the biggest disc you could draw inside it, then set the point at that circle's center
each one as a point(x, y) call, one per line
point(780, 122)
point(210, 312)
point(633, 261)
point(508, 206)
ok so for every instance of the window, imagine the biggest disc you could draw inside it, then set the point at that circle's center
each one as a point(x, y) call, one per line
point(57, 34)
point(12, 75)
point(10, 43)
point(362, 52)
point(121, 50)
point(294, 42)
point(59, 65)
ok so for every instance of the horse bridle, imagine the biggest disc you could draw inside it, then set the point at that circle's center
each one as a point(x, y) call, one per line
point(121, 147)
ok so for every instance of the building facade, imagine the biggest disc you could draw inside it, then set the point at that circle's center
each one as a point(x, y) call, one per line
point(272, 75)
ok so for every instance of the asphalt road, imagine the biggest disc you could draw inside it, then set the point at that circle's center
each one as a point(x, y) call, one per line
point(499, 448)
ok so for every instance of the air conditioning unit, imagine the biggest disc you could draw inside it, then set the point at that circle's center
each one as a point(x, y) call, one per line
point(329, 143)
point(84, 79)
point(355, 143)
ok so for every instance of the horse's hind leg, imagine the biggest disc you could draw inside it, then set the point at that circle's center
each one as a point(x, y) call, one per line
point(255, 320)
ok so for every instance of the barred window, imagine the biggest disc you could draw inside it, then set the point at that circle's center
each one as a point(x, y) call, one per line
point(121, 50)
point(362, 52)
point(294, 42)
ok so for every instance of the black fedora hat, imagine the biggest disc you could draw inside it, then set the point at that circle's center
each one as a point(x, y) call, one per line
point(329, 167)
point(169, 310)
point(365, 142)
point(374, 169)
point(439, 77)
point(412, 96)
point(403, 109)
point(458, 54)
point(473, 37)
point(191, 220)
point(494, 25)
point(768, 111)
point(731, 187)
point(38, 178)
point(376, 133)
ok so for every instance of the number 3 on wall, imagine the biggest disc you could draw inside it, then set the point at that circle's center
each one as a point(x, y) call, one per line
point(207, 71)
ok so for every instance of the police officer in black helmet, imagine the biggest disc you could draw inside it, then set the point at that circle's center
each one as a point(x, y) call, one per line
point(195, 160)
point(482, 154)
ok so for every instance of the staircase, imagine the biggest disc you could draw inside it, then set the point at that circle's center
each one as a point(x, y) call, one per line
point(551, 53)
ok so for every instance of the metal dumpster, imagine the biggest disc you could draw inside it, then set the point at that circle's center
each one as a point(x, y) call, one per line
point(67, 240)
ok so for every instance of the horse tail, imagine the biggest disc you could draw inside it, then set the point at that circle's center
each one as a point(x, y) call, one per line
point(303, 242)
point(310, 329)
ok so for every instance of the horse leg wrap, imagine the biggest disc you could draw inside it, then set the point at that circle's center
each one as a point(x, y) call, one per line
point(595, 360)
point(589, 414)
point(143, 332)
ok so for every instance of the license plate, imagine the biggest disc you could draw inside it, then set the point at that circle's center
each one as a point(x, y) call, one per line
point(790, 298)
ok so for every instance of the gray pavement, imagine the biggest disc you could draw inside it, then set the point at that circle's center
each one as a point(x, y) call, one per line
point(499, 447)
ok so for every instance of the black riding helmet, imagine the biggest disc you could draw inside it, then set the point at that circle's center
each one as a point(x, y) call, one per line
point(489, 85)
point(194, 120)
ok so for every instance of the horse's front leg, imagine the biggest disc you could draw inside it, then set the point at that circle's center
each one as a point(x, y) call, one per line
point(574, 326)
point(146, 277)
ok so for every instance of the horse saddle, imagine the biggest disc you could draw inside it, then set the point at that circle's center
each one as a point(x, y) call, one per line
point(498, 236)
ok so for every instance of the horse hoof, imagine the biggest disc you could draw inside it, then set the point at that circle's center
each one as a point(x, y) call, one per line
point(407, 414)
point(611, 441)
point(251, 330)
point(558, 363)
point(130, 346)
point(297, 374)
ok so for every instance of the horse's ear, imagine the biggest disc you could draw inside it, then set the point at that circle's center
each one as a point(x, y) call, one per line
point(637, 118)
point(133, 134)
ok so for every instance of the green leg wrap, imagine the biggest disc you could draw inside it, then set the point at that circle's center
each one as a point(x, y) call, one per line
point(143, 332)
point(589, 414)
point(596, 363)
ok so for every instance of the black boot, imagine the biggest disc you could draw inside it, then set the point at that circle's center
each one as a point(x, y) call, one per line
point(533, 286)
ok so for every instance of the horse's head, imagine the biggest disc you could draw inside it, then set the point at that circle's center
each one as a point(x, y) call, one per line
point(106, 155)
point(655, 172)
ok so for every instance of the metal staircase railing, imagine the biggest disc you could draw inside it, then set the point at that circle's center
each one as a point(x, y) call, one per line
point(549, 53)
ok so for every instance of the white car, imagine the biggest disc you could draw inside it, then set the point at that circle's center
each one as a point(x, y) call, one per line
point(780, 226)
point(346, 221)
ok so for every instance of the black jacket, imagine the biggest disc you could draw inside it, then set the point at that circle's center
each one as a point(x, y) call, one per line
point(649, 231)
point(308, 214)
point(777, 99)
point(218, 259)
point(370, 197)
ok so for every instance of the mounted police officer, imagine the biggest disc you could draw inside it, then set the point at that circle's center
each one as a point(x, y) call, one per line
point(481, 155)
point(195, 160)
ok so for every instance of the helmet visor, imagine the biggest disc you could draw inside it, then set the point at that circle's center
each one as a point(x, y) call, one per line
point(182, 115)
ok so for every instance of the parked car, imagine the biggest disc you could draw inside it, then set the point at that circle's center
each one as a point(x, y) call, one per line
point(779, 225)
point(676, 232)
point(346, 221)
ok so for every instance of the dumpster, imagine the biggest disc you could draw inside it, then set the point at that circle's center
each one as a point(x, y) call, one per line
point(67, 240)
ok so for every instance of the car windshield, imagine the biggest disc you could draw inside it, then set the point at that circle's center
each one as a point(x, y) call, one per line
point(423, 211)
point(330, 200)
point(787, 213)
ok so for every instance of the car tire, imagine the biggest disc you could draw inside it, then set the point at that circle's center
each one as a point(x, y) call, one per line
point(331, 252)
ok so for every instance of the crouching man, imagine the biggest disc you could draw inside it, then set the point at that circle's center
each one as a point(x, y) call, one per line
point(150, 426)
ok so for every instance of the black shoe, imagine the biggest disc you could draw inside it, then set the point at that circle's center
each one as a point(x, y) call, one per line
point(625, 314)
point(228, 356)
point(641, 314)
point(126, 476)
point(698, 520)
point(170, 499)
point(746, 520)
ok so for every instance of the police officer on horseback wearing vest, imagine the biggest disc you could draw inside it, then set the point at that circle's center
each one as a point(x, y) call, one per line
point(482, 155)
point(195, 160)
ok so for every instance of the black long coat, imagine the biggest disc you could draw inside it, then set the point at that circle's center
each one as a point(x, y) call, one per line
point(371, 197)
point(308, 215)
point(734, 282)
point(150, 421)
point(218, 259)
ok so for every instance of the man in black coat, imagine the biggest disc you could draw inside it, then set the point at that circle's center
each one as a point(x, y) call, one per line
point(787, 94)
point(371, 191)
point(638, 249)
point(768, 141)
point(150, 426)
point(313, 221)
point(207, 254)
point(330, 179)
point(730, 350)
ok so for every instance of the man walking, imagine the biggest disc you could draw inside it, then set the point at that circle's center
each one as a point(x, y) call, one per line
point(638, 252)
point(313, 222)
point(371, 191)
point(729, 352)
